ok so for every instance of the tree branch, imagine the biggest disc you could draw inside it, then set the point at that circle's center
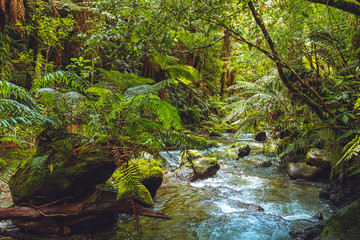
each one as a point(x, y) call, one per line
point(350, 6)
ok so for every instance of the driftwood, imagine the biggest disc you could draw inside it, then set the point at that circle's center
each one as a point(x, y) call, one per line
point(67, 210)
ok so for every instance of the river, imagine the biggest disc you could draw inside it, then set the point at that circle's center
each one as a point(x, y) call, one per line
point(218, 207)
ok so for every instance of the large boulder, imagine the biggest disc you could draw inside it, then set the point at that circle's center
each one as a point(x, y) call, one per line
point(318, 157)
point(64, 165)
point(303, 171)
point(339, 193)
point(194, 166)
point(343, 225)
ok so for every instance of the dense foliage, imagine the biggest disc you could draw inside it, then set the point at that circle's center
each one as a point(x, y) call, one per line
point(141, 71)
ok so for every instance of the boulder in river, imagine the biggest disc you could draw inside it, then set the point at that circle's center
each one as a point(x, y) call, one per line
point(260, 136)
point(198, 167)
point(318, 157)
point(303, 171)
point(243, 151)
point(63, 166)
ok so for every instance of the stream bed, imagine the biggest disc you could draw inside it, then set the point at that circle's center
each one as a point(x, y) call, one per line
point(218, 207)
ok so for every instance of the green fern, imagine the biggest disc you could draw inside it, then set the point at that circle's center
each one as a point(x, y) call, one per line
point(129, 183)
point(123, 81)
point(13, 113)
point(39, 161)
point(10, 170)
point(182, 141)
point(166, 113)
point(64, 79)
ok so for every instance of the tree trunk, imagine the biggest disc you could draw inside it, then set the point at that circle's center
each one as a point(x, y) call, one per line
point(226, 55)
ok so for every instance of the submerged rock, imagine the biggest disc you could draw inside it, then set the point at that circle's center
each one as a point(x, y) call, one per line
point(264, 164)
point(344, 225)
point(243, 151)
point(303, 171)
point(64, 165)
point(318, 157)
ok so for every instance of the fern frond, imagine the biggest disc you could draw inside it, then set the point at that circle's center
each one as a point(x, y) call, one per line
point(64, 79)
point(10, 90)
point(166, 113)
point(13, 112)
point(123, 81)
point(10, 170)
point(183, 73)
point(128, 178)
point(181, 140)
point(39, 161)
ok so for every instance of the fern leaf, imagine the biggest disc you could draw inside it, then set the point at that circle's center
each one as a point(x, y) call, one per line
point(167, 114)
point(62, 79)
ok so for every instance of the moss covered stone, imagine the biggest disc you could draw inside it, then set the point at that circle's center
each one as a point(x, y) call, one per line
point(150, 177)
point(201, 168)
point(344, 225)
point(63, 165)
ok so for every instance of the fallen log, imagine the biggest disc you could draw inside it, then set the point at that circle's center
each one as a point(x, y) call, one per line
point(68, 210)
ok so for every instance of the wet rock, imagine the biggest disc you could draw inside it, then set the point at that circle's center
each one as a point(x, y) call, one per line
point(243, 151)
point(343, 225)
point(64, 165)
point(251, 207)
point(201, 168)
point(215, 134)
point(306, 229)
point(339, 193)
point(264, 164)
point(303, 171)
point(260, 136)
point(318, 157)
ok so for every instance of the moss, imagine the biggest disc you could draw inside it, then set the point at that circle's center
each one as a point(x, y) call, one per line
point(206, 143)
point(2, 164)
point(71, 173)
point(140, 194)
point(151, 177)
point(343, 225)
point(189, 153)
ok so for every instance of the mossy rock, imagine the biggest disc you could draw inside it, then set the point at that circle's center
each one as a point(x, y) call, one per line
point(146, 180)
point(63, 166)
point(151, 174)
point(303, 171)
point(205, 167)
point(318, 157)
point(140, 194)
point(344, 225)
point(189, 154)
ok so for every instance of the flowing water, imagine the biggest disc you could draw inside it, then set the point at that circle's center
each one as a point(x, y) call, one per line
point(222, 207)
